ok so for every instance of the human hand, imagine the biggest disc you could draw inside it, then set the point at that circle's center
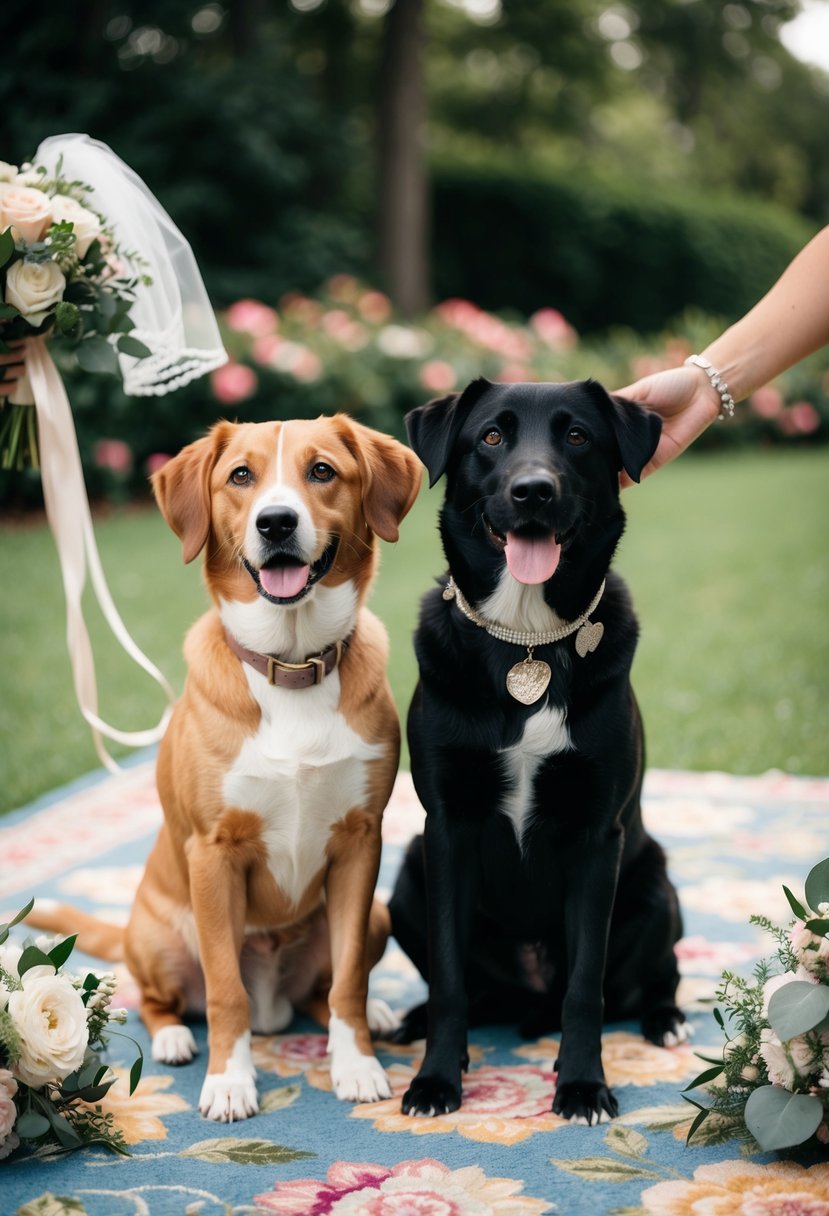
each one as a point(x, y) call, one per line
point(12, 367)
point(687, 403)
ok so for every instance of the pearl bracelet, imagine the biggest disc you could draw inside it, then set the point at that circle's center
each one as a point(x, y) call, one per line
point(726, 400)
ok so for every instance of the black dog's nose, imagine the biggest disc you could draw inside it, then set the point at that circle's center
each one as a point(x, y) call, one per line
point(277, 523)
point(533, 490)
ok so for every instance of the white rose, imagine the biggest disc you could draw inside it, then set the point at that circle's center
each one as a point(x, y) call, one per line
point(778, 1066)
point(8, 173)
point(34, 288)
point(51, 1020)
point(87, 226)
point(8, 1113)
point(28, 211)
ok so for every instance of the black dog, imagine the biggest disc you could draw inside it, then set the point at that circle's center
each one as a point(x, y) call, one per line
point(547, 902)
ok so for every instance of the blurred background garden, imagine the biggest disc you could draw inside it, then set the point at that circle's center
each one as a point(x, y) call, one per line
point(389, 198)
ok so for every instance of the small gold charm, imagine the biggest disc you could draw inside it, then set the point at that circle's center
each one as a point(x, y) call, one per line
point(528, 680)
point(588, 637)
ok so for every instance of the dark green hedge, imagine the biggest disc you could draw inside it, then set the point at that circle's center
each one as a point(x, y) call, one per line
point(604, 253)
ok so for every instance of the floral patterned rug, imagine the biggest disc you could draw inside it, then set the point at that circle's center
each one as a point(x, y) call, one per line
point(732, 844)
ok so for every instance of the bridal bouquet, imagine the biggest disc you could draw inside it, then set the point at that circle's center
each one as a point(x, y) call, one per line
point(52, 1027)
point(772, 1084)
point(62, 274)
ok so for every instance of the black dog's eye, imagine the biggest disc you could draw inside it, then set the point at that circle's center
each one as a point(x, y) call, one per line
point(576, 437)
point(241, 476)
point(493, 437)
point(322, 472)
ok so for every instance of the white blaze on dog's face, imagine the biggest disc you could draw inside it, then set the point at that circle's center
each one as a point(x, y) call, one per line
point(283, 509)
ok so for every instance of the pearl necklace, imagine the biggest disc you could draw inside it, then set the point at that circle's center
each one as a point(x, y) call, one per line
point(528, 680)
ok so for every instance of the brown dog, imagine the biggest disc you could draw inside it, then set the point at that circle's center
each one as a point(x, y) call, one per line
point(279, 758)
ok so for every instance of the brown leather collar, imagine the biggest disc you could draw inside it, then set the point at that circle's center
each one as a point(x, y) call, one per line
point(290, 675)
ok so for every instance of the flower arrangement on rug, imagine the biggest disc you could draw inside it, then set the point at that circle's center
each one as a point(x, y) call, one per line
point(53, 1026)
point(61, 273)
point(774, 1086)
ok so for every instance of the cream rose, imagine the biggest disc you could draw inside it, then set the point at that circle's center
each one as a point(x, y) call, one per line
point(34, 288)
point(50, 1018)
point(8, 1113)
point(28, 211)
point(87, 226)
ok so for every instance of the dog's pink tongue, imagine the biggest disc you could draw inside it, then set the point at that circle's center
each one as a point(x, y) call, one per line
point(532, 559)
point(284, 582)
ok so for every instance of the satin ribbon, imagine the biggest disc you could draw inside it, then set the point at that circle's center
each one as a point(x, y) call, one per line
point(67, 510)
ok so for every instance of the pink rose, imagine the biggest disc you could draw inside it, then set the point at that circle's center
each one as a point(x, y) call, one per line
point(28, 211)
point(438, 376)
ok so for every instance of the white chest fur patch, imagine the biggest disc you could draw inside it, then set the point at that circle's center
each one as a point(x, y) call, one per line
point(545, 734)
point(302, 771)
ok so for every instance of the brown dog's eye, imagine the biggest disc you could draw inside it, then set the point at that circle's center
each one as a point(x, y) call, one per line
point(241, 476)
point(322, 472)
point(576, 437)
point(492, 437)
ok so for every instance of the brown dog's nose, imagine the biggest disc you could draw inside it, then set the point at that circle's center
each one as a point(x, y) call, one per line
point(277, 523)
point(532, 491)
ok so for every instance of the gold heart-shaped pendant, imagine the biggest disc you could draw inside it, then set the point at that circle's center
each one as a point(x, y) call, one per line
point(588, 637)
point(528, 680)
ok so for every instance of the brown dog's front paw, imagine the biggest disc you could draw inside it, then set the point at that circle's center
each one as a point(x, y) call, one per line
point(589, 1102)
point(431, 1096)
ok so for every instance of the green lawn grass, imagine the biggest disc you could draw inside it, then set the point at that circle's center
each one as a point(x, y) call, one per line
point(727, 557)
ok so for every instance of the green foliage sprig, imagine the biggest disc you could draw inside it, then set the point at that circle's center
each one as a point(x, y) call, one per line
point(771, 1086)
point(56, 1108)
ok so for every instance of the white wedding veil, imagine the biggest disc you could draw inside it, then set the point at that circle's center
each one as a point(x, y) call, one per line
point(172, 315)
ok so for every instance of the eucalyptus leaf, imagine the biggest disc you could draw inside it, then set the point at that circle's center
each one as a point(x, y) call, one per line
point(21, 915)
point(31, 1125)
point(795, 904)
point(820, 927)
point(131, 346)
point(60, 953)
point(6, 246)
point(33, 957)
point(96, 355)
point(817, 885)
point(778, 1119)
point(797, 1007)
point(704, 1077)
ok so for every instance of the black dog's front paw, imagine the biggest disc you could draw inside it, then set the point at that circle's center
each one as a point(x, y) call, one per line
point(431, 1096)
point(588, 1102)
point(666, 1027)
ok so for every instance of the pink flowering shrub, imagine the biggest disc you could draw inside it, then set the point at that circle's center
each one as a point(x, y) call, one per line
point(346, 349)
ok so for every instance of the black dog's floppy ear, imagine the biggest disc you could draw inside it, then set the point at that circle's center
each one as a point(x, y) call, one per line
point(433, 428)
point(637, 430)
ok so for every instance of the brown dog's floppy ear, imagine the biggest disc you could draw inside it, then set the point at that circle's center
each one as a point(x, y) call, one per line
point(182, 489)
point(637, 429)
point(433, 428)
point(391, 477)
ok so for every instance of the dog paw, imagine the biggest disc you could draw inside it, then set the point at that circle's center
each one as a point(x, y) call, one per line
point(588, 1102)
point(382, 1020)
point(174, 1045)
point(431, 1096)
point(666, 1028)
point(228, 1096)
point(361, 1079)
